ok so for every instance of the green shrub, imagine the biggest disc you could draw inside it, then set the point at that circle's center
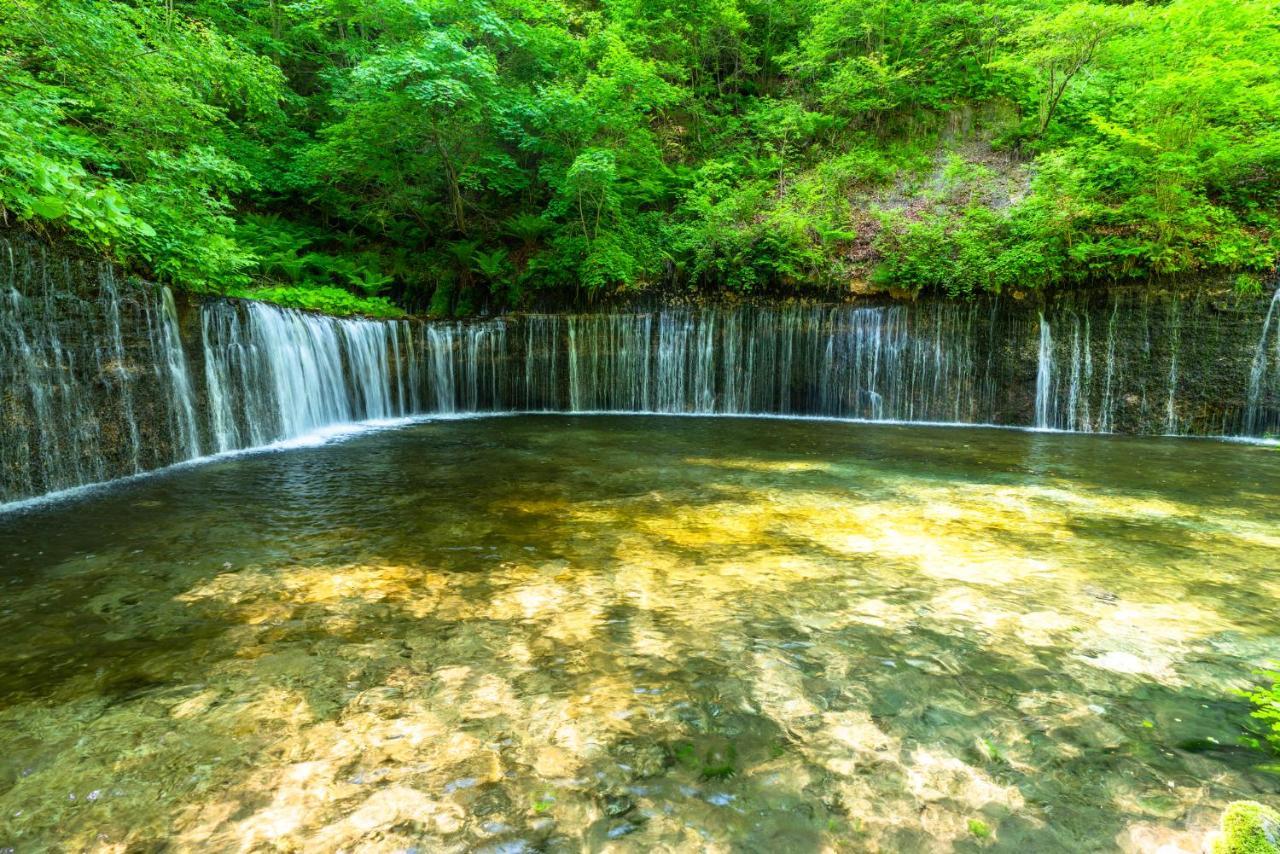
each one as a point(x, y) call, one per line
point(977, 251)
point(329, 300)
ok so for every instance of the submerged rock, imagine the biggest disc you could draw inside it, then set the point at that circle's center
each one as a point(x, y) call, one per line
point(616, 805)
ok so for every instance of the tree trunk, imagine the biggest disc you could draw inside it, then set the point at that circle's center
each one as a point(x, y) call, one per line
point(455, 190)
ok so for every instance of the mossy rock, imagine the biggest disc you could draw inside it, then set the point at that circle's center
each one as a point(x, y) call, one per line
point(1249, 828)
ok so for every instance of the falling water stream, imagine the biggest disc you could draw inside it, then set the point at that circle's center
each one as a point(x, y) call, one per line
point(99, 382)
point(1044, 379)
point(275, 374)
point(1264, 371)
point(94, 380)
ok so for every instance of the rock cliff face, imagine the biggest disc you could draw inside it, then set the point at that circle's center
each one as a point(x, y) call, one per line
point(93, 376)
point(102, 377)
point(1204, 362)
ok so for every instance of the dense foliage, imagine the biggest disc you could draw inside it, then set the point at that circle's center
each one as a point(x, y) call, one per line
point(457, 154)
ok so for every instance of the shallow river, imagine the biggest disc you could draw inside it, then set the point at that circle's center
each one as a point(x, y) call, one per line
point(652, 634)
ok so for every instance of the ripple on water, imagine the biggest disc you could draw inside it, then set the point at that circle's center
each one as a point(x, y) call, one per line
point(644, 633)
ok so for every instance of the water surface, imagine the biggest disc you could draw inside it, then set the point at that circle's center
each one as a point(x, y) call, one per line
point(656, 634)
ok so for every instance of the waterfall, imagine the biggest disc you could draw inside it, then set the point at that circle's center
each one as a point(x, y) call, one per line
point(611, 362)
point(464, 368)
point(111, 364)
point(1175, 341)
point(1080, 376)
point(542, 364)
point(273, 373)
point(1074, 378)
point(172, 371)
point(883, 363)
point(440, 346)
point(674, 330)
point(103, 377)
point(1108, 388)
point(94, 383)
point(234, 380)
point(1044, 379)
point(1261, 370)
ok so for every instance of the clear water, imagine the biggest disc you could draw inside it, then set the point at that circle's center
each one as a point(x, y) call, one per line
point(656, 634)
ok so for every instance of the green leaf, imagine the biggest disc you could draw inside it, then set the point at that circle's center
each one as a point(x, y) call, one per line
point(49, 207)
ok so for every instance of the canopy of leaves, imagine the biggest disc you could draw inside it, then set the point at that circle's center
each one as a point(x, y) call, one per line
point(461, 155)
